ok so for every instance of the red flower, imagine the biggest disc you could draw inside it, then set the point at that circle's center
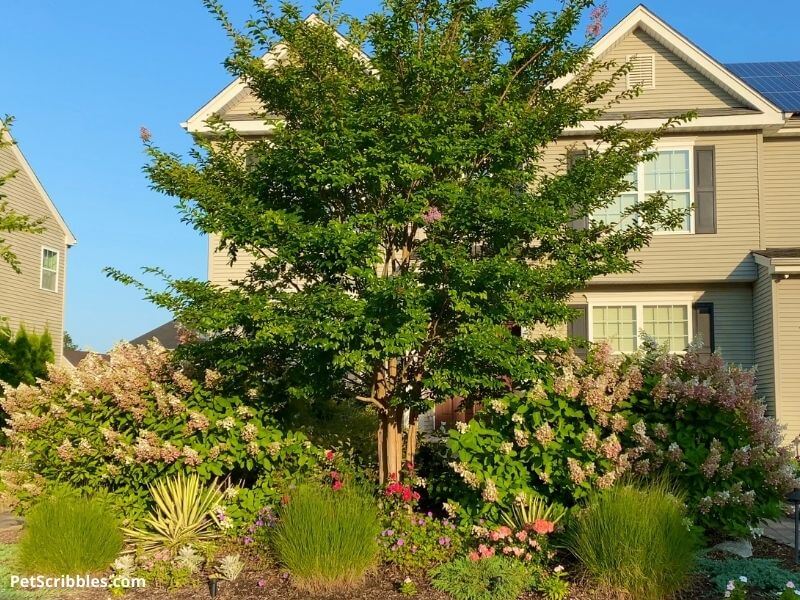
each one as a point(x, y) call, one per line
point(543, 526)
point(337, 485)
point(329, 455)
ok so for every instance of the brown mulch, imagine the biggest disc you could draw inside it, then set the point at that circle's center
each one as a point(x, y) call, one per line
point(262, 581)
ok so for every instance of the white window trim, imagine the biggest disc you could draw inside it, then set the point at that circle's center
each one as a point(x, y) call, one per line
point(639, 301)
point(42, 269)
point(688, 146)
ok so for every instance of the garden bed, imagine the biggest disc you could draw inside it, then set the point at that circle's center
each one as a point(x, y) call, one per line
point(261, 580)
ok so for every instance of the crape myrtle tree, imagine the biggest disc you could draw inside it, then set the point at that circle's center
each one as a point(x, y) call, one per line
point(398, 212)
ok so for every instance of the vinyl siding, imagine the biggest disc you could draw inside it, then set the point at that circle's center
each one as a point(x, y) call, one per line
point(722, 256)
point(678, 85)
point(22, 300)
point(220, 271)
point(787, 308)
point(781, 188)
point(763, 337)
point(246, 105)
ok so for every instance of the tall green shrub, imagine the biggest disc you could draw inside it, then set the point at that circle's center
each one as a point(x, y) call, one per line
point(24, 356)
point(635, 541)
point(65, 534)
point(327, 538)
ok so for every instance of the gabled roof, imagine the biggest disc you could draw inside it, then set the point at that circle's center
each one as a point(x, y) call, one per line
point(768, 113)
point(235, 91)
point(26, 169)
point(166, 334)
point(777, 81)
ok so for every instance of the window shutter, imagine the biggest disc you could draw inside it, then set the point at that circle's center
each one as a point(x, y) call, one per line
point(574, 156)
point(703, 322)
point(579, 327)
point(705, 196)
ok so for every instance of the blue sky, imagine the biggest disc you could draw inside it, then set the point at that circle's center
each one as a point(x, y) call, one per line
point(81, 78)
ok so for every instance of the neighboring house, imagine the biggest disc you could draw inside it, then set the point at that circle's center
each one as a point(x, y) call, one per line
point(732, 273)
point(168, 335)
point(34, 298)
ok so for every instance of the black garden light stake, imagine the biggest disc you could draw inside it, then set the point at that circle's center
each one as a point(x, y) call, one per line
point(212, 586)
point(794, 498)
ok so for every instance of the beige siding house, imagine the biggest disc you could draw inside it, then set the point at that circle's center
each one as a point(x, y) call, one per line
point(34, 298)
point(731, 275)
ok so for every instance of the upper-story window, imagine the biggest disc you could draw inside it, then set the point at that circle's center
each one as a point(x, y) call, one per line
point(671, 172)
point(49, 279)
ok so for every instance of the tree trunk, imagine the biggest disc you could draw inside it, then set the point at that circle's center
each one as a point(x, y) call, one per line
point(411, 438)
point(390, 444)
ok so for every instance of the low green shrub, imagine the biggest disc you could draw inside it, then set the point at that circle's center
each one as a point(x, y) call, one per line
point(762, 573)
point(66, 534)
point(327, 538)
point(492, 578)
point(416, 541)
point(635, 540)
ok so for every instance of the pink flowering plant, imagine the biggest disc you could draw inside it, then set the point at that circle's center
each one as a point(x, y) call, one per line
point(410, 539)
point(701, 422)
point(116, 425)
point(529, 543)
point(556, 437)
point(584, 423)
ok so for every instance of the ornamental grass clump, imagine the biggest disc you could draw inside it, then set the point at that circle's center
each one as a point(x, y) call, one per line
point(66, 534)
point(327, 538)
point(635, 541)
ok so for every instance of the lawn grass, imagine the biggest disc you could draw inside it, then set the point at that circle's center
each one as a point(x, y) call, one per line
point(8, 567)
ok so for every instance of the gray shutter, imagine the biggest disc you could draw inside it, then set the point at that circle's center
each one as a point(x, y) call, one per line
point(574, 156)
point(703, 322)
point(579, 327)
point(705, 196)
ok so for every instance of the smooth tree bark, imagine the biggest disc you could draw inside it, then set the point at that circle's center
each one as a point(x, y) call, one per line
point(397, 211)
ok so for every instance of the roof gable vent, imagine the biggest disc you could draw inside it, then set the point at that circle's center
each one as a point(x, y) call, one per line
point(643, 71)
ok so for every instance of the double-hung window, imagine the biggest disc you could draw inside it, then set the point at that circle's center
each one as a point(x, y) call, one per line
point(49, 270)
point(671, 172)
point(624, 325)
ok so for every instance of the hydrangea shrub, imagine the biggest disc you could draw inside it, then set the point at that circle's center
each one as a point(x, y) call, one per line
point(701, 422)
point(586, 423)
point(559, 437)
point(117, 425)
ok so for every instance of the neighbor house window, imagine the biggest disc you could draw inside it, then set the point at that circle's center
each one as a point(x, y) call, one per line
point(49, 269)
point(671, 173)
point(624, 326)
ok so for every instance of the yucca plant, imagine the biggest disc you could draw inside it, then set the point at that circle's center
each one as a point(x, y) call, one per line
point(532, 509)
point(182, 514)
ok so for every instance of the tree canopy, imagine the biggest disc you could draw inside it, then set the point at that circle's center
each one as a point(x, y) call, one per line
point(398, 210)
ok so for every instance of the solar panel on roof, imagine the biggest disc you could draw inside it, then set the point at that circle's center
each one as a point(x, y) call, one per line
point(779, 82)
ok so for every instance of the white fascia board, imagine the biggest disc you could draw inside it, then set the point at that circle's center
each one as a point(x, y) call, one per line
point(26, 168)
